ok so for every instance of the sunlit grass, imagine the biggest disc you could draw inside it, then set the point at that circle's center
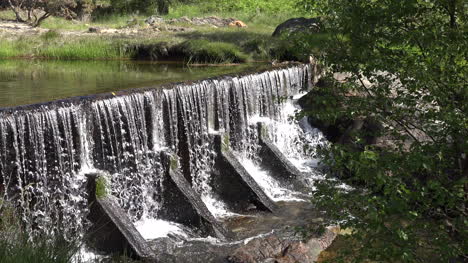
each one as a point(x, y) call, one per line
point(7, 14)
point(201, 44)
point(98, 48)
point(8, 49)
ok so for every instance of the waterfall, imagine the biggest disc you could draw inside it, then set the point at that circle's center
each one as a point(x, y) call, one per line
point(40, 157)
point(46, 150)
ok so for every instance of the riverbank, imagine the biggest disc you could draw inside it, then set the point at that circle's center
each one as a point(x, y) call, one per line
point(208, 39)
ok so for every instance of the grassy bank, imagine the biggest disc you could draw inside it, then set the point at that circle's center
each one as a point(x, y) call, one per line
point(198, 44)
point(201, 46)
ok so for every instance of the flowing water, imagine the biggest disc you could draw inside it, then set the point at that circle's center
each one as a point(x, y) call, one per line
point(46, 150)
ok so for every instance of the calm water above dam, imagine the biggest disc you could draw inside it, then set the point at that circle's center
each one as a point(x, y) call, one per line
point(25, 82)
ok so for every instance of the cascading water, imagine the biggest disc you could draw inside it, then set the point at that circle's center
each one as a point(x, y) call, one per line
point(296, 138)
point(123, 144)
point(40, 157)
point(46, 150)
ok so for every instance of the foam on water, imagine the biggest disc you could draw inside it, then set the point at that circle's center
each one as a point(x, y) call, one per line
point(151, 228)
point(86, 255)
point(272, 187)
point(216, 207)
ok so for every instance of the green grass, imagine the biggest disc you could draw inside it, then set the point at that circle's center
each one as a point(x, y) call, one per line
point(50, 35)
point(59, 23)
point(204, 51)
point(258, 12)
point(204, 44)
point(9, 49)
point(98, 48)
point(7, 14)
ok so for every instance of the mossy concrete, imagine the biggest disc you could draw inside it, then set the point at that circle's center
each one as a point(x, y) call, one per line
point(181, 204)
point(280, 166)
point(112, 231)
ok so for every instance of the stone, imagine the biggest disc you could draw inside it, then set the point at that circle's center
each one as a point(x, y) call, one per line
point(152, 20)
point(237, 23)
point(282, 249)
point(301, 24)
point(94, 30)
point(185, 19)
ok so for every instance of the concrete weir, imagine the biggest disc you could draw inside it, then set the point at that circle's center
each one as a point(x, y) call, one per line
point(273, 158)
point(235, 185)
point(170, 156)
point(112, 231)
point(183, 205)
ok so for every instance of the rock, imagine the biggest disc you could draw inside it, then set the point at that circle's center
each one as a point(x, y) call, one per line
point(282, 250)
point(185, 19)
point(298, 25)
point(94, 30)
point(132, 22)
point(237, 23)
point(152, 20)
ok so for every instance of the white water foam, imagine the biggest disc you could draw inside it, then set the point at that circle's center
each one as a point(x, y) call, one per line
point(297, 140)
point(271, 186)
point(85, 255)
point(217, 207)
point(151, 228)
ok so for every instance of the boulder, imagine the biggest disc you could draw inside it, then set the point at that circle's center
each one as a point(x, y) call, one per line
point(277, 249)
point(152, 20)
point(301, 24)
point(94, 30)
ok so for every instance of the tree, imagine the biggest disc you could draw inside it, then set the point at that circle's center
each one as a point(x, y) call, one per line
point(34, 12)
point(407, 71)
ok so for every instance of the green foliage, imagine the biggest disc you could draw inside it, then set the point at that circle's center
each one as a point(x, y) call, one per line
point(406, 65)
point(299, 46)
point(101, 187)
point(144, 6)
point(204, 51)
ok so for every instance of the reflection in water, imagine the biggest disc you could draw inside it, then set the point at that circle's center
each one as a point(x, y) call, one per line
point(25, 82)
